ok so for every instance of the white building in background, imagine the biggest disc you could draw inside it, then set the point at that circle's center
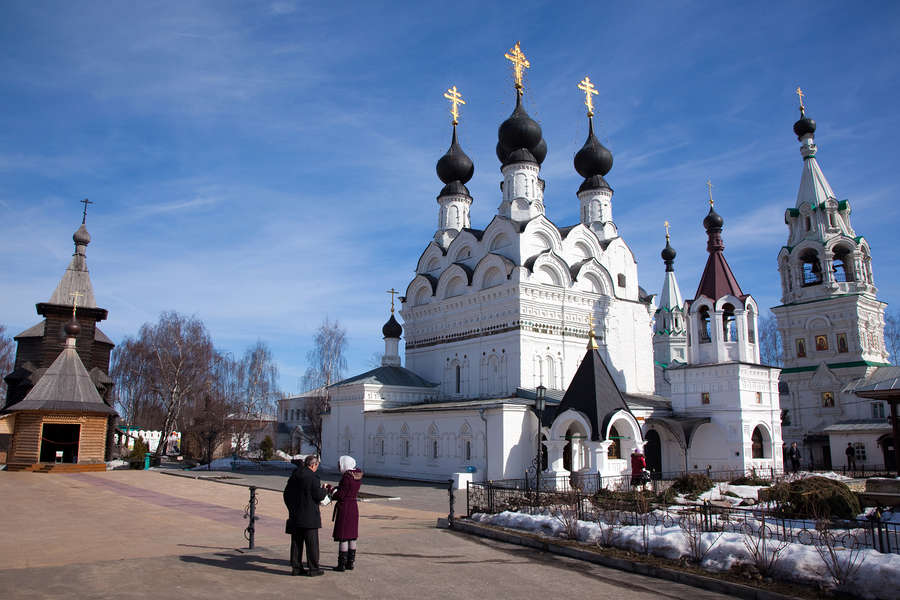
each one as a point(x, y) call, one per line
point(293, 429)
point(831, 324)
point(493, 314)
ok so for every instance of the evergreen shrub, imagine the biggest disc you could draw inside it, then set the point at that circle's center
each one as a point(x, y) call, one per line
point(692, 483)
point(818, 497)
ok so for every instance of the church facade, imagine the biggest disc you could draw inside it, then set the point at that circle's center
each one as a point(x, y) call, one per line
point(496, 317)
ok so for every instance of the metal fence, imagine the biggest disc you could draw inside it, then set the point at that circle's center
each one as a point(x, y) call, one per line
point(583, 502)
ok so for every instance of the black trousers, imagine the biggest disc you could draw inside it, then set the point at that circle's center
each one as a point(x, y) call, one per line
point(309, 537)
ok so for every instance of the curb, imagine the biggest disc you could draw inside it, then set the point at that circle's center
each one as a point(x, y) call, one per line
point(712, 584)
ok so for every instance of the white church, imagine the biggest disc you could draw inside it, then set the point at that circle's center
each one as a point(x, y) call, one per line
point(496, 318)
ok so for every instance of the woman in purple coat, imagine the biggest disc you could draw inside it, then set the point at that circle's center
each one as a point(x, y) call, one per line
point(346, 513)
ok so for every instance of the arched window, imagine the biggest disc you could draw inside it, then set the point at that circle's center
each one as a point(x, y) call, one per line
point(807, 222)
point(756, 442)
point(751, 325)
point(729, 326)
point(458, 378)
point(812, 268)
point(842, 266)
point(704, 325)
point(615, 449)
point(468, 449)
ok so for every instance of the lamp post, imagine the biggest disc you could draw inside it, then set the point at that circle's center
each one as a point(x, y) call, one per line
point(539, 403)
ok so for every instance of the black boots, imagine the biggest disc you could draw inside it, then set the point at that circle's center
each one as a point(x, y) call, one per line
point(351, 558)
point(342, 560)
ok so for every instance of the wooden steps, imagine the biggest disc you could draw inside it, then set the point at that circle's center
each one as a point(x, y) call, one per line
point(56, 467)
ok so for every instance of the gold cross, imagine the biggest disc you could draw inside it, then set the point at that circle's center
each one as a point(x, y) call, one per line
point(452, 94)
point(589, 90)
point(666, 225)
point(520, 63)
point(75, 297)
point(709, 187)
point(84, 215)
point(392, 291)
point(800, 95)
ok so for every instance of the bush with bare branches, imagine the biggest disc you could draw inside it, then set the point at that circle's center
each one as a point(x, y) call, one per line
point(763, 547)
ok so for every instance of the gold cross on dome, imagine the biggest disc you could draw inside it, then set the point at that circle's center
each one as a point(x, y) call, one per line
point(709, 187)
point(592, 342)
point(392, 291)
point(588, 88)
point(666, 225)
point(519, 63)
point(800, 95)
point(75, 297)
point(453, 95)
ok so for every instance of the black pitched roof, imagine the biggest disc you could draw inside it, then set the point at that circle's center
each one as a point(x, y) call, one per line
point(594, 393)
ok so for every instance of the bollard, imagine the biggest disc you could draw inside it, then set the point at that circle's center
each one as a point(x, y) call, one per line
point(450, 492)
point(250, 513)
point(146, 460)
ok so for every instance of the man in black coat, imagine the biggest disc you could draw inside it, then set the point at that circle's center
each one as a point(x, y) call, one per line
point(302, 496)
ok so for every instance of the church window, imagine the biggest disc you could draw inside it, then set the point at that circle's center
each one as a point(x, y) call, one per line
point(615, 449)
point(842, 266)
point(812, 268)
point(801, 347)
point(285, 414)
point(756, 444)
point(621, 279)
point(827, 400)
point(821, 343)
point(831, 221)
point(842, 343)
point(405, 448)
point(434, 448)
point(867, 266)
point(860, 449)
point(704, 398)
point(348, 445)
point(381, 447)
point(751, 325)
point(877, 410)
point(458, 378)
point(468, 450)
point(759, 397)
point(464, 253)
point(704, 325)
point(729, 325)
point(807, 223)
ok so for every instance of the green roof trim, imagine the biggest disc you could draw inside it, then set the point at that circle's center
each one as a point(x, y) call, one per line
point(794, 212)
point(843, 365)
point(843, 205)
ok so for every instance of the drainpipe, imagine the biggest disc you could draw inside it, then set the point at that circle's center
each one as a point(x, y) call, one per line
point(483, 418)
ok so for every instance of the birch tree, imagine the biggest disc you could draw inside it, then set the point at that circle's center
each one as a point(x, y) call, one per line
point(326, 365)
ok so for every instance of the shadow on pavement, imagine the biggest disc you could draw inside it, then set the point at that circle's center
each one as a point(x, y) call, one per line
point(241, 562)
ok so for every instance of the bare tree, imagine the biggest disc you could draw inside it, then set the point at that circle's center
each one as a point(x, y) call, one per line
point(7, 359)
point(166, 366)
point(892, 335)
point(257, 392)
point(326, 365)
point(771, 350)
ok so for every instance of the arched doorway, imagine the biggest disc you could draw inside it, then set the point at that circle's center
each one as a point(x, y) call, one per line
point(887, 449)
point(653, 451)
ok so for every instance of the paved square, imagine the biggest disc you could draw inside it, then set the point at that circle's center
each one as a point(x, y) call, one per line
point(145, 534)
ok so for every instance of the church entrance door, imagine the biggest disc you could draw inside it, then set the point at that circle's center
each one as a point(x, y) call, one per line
point(653, 452)
point(57, 438)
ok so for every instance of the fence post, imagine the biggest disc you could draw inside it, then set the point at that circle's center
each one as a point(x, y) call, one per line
point(490, 487)
point(251, 514)
point(452, 502)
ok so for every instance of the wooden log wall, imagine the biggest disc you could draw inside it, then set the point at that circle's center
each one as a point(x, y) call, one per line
point(26, 444)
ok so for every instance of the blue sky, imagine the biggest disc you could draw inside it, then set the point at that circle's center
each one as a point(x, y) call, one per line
point(263, 165)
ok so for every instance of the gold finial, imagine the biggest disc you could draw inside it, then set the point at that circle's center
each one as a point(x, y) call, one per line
point(392, 291)
point(588, 88)
point(709, 187)
point(592, 341)
point(800, 95)
point(519, 63)
point(75, 297)
point(453, 95)
point(666, 225)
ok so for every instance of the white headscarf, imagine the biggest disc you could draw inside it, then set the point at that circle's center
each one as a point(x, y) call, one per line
point(346, 463)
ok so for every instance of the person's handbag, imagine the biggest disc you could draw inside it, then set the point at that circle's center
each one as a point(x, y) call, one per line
point(326, 500)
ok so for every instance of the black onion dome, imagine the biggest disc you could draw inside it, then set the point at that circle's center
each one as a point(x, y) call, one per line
point(82, 236)
point(392, 328)
point(455, 165)
point(668, 253)
point(803, 126)
point(520, 132)
point(72, 328)
point(593, 158)
point(713, 220)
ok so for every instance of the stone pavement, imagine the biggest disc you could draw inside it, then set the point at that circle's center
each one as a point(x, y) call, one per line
point(144, 534)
